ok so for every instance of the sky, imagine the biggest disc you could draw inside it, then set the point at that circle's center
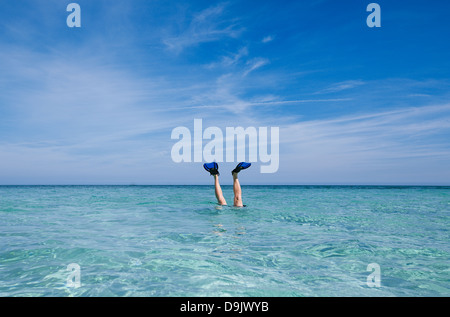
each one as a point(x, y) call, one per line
point(97, 104)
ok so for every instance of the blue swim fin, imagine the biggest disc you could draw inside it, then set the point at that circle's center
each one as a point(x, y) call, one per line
point(241, 166)
point(212, 168)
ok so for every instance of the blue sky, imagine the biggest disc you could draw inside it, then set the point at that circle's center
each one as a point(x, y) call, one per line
point(97, 104)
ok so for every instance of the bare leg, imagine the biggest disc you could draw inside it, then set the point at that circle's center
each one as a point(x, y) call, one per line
point(237, 191)
point(218, 191)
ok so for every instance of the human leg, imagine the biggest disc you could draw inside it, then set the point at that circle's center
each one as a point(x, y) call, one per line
point(218, 191)
point(236, 185)
point(237, 191)
point(213, 169)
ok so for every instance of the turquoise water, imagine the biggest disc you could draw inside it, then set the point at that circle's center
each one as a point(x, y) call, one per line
point(174, 241)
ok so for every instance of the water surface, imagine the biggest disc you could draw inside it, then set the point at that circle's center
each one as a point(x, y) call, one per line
point(175, 241)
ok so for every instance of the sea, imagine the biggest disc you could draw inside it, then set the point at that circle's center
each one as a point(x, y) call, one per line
point(172, 241)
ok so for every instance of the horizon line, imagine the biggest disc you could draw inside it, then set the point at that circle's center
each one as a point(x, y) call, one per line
point(374, 185)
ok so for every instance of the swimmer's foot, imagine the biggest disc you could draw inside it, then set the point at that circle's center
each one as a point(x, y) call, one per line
point(241, 166)
point(212, 168)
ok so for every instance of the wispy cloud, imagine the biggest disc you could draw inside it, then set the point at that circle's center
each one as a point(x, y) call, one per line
point(392, 124)
point(80, 108)
point(238, 105)
point(268, 38)
point(340, 86)
point(255, 64)
point(208, 25)
point(387, 146)
point(231, 59)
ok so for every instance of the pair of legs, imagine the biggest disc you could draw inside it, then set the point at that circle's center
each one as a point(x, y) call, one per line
point(236, 189)
point(213, 169)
